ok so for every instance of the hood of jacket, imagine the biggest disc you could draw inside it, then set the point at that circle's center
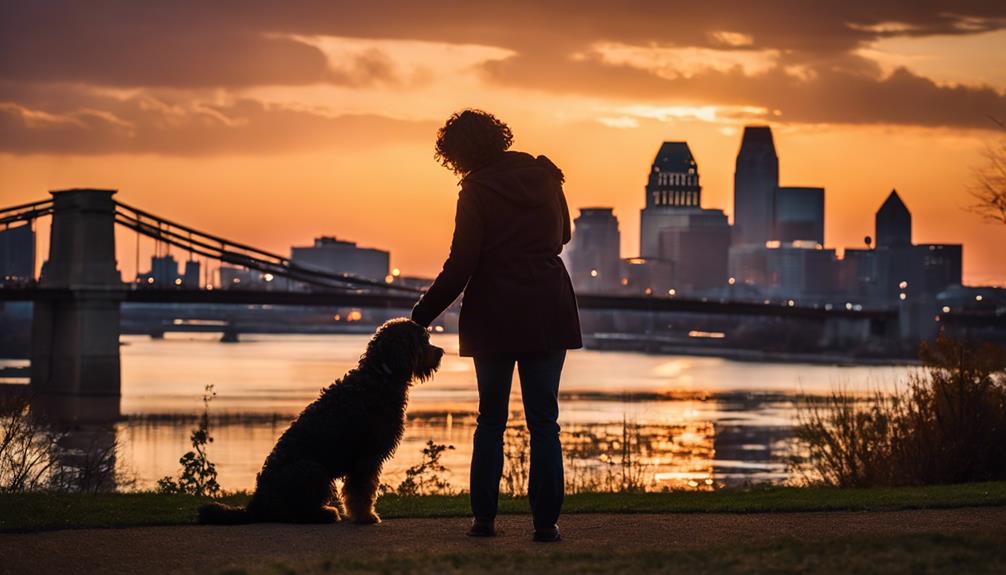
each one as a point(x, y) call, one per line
point(519, 177)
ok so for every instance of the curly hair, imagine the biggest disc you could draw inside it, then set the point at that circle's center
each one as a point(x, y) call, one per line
point(471, 139)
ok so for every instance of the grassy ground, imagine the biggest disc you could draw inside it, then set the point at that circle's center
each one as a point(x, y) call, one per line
point(891, 555)
point(42, 512)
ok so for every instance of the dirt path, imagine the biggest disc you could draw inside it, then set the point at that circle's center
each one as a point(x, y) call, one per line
point(211, 549)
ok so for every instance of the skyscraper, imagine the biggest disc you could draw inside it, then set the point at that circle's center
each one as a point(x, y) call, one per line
point(799, 214)
point(673, 183)
point(755, 181)
point(675, 229)
point(893, 222)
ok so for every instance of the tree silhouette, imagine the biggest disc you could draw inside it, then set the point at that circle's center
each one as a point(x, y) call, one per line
point(989, 186)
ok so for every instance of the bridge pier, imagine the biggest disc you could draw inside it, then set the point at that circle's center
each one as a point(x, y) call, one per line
point(75, 340)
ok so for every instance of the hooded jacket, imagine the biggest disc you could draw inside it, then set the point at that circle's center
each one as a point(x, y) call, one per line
point(511, 223)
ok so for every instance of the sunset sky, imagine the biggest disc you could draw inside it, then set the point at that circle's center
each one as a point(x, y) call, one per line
point(275, 122)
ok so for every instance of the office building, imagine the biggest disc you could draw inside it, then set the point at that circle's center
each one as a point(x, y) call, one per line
point(190, 277)
point(342, 257)
point(756, 178)
point(893, 223)
point(799, 214)
point(800, 270)
point(17, 254)
point(640, 276)
point(697, 242)
point(593, 253)
point(675, 229)
point(163, 273)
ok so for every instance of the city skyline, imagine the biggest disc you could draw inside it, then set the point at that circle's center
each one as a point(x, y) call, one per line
point(279, 127)
point(629, 227)
point(685, 192)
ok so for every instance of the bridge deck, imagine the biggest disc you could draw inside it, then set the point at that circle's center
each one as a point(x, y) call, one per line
point(394, 301)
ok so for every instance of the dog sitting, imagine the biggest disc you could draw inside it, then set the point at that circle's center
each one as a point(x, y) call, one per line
point(348, 432)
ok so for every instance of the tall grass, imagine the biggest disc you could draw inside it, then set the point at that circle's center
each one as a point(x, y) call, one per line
point(948, 425)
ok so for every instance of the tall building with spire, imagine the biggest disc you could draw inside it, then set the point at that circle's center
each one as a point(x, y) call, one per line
point(674, 228)
point(673, 184)
point(893, 223)
point(756, 179)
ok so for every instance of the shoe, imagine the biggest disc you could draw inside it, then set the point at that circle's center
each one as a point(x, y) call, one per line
point(482, 528)
point(547, 535)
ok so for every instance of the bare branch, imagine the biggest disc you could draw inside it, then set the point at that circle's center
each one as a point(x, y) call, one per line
point(988, 188)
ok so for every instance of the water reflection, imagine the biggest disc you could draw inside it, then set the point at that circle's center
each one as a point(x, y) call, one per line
point(682, 422)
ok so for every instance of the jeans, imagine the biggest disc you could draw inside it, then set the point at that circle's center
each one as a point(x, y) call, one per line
point(539, 384)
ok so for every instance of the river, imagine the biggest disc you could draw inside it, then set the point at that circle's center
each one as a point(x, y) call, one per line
point(675, 421)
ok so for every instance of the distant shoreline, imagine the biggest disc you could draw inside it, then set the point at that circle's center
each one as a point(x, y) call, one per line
point(742, 355)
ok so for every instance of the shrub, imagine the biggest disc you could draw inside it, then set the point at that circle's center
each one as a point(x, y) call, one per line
point(36, 455)
point(199, 474)
point(517, 461)
point(28, 447)
point(425, 478)
point(947, 426)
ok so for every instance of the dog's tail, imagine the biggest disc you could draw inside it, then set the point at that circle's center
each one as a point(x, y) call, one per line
point(220, 514)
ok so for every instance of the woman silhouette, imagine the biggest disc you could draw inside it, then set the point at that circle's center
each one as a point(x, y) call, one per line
point(518, 307)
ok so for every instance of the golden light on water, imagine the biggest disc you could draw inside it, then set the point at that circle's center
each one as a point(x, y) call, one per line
point(680, 418)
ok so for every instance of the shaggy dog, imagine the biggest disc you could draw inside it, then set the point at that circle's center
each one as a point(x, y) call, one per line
point(348, 432)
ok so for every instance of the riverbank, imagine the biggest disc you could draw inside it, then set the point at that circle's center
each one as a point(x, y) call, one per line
point(38, 512)
point(641, 343)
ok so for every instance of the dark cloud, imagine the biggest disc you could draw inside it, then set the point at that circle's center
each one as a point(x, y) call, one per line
point(126, 75)
point(147, 124)
point(144, 44)
point(244, 42)
point(845, 91)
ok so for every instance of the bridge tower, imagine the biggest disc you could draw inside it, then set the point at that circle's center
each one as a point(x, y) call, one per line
point(75, 337)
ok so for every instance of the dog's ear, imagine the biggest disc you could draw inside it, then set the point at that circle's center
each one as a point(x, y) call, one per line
point(395, 349)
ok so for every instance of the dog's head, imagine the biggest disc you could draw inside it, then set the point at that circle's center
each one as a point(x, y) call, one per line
point(402, 348)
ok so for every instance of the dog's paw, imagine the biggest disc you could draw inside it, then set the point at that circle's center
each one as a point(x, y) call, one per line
point(367, 519)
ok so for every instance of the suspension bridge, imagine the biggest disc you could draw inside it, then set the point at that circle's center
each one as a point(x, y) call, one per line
point(78, 295)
